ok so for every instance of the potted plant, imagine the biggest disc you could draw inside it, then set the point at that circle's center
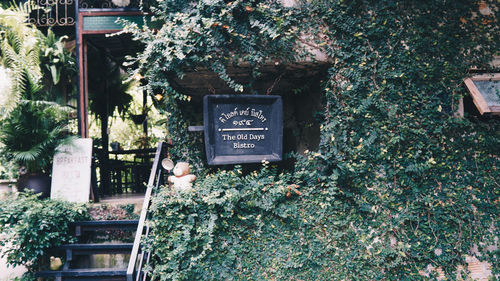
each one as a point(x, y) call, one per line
point(30, 135)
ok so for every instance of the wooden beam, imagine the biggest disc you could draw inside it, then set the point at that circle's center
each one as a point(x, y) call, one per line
point(82, 105)
point(85, 87)
point(93, 32)
point(495, 110)
point(486, 77)
point(461, 110)
point(87, 13)
point(196, 128)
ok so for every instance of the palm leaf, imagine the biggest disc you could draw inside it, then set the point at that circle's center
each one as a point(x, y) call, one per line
point(32, 133)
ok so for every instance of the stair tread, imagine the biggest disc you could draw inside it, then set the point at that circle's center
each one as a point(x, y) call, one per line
point(83, 272)
point(106, 222)
point(97, 246)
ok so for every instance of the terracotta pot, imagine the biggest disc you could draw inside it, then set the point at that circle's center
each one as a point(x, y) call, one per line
point(39, 183)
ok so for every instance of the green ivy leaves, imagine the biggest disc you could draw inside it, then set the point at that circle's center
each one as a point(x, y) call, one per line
point(31, 226)
point(398, 182)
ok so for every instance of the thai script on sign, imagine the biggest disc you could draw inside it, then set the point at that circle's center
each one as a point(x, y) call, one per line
point(225, 116)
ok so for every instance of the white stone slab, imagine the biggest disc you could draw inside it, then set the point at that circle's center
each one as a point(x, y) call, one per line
point(71, 172)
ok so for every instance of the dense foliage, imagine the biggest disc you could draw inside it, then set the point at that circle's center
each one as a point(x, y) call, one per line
point(31, 134)
point(30, 226)
point(36, 71)
point(19, 58)
point(211, 34)
point(398, 183)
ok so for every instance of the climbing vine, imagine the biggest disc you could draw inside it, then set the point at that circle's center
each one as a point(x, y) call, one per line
point(401, 188)
point(207, 35)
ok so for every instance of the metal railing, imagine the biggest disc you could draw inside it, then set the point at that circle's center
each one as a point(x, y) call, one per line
point(46, 13)
point(138, 257)
point(52, 12)
point(129, 175)
point(127, 170)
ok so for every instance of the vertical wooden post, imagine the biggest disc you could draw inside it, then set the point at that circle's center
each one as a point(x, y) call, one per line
point(82, 77)
point(79, 51)
point(104, 167)
point(144, 111)
point(86, 90)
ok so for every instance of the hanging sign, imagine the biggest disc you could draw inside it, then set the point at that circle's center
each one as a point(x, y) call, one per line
point(71, 171)
point(243, 128)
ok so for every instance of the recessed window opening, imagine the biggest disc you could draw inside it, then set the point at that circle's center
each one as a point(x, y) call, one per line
point(484, 90)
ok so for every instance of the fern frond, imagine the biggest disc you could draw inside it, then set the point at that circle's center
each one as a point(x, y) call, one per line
point(9, 55)
point(15, 40)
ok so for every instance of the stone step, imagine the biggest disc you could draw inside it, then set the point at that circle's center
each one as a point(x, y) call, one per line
point(86, 226)
point(73, 250)
point(90, 249)
point(96, 274)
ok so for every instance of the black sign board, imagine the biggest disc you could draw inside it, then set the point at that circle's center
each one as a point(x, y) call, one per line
point(243, 128)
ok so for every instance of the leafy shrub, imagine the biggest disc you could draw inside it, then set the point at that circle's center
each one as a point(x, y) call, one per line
point(8, 170)
point(30, 226)
point(31, 126)
point(107, 212)
point(219, 230)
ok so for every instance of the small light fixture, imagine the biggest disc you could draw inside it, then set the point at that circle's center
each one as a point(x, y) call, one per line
point(167, 164)
point(121, 3)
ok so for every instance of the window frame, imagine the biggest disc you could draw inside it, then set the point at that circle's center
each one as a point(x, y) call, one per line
point(478, 99)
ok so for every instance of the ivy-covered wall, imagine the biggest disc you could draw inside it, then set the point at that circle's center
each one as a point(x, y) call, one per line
point(398, 182)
